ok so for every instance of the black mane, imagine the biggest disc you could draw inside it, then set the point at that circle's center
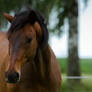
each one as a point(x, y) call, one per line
point(29, 16)
point(22, 18)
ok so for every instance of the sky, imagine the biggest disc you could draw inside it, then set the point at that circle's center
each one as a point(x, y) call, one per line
point(59, 45)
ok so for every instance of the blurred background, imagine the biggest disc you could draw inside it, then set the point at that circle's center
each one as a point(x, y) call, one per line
point(69, 23)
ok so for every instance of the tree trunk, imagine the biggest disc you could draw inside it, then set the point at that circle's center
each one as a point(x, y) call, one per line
point(73, 58)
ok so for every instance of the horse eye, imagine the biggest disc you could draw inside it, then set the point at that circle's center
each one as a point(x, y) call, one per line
point(29, 40)
point(8, 38)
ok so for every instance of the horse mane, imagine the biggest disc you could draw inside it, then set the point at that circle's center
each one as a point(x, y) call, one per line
point(29, 16)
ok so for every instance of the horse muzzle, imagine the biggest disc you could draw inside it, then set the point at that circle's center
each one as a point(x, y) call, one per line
point(12, 77)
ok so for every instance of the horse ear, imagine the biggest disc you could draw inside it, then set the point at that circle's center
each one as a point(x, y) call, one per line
point(8, 17)
point(38, 29)
point(38, 21)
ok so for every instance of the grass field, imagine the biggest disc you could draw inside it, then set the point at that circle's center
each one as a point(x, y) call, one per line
point(86, 69)
point(85, 65)
point(84, 86)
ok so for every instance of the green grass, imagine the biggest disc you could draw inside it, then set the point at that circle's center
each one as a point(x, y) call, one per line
point(86, 69)
point(63, 64)
point(85, 65)
point(84, 86)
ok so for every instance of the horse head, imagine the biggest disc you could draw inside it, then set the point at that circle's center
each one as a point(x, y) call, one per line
point(27, 33)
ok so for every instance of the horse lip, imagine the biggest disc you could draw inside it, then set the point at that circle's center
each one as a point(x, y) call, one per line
point(12, 82)
point(6, 79)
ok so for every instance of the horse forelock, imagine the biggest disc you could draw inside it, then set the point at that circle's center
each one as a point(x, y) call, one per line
point(29, 16)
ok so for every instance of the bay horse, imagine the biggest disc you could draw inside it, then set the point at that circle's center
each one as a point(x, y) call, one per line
point(27, 62)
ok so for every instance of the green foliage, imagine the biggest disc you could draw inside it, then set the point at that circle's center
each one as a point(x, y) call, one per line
point(63, 7)
point(45, 6)
point(85, 65)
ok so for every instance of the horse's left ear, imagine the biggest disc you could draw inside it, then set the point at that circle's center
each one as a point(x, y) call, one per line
point(38, 29)
point(41, 28)
point(8, 17)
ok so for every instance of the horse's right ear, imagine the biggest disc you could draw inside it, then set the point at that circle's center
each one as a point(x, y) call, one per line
point(8, 17)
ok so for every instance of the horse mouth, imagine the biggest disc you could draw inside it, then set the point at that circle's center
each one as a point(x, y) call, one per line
point(12, 81)
point(12, 78)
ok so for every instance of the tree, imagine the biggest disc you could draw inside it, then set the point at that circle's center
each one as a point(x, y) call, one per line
point(70, 11)
point(73, 68)
point(44, 6)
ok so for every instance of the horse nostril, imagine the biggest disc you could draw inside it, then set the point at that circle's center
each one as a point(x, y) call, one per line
point(12, 77)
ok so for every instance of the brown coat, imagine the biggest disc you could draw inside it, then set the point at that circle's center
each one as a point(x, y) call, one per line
point(45, 77)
